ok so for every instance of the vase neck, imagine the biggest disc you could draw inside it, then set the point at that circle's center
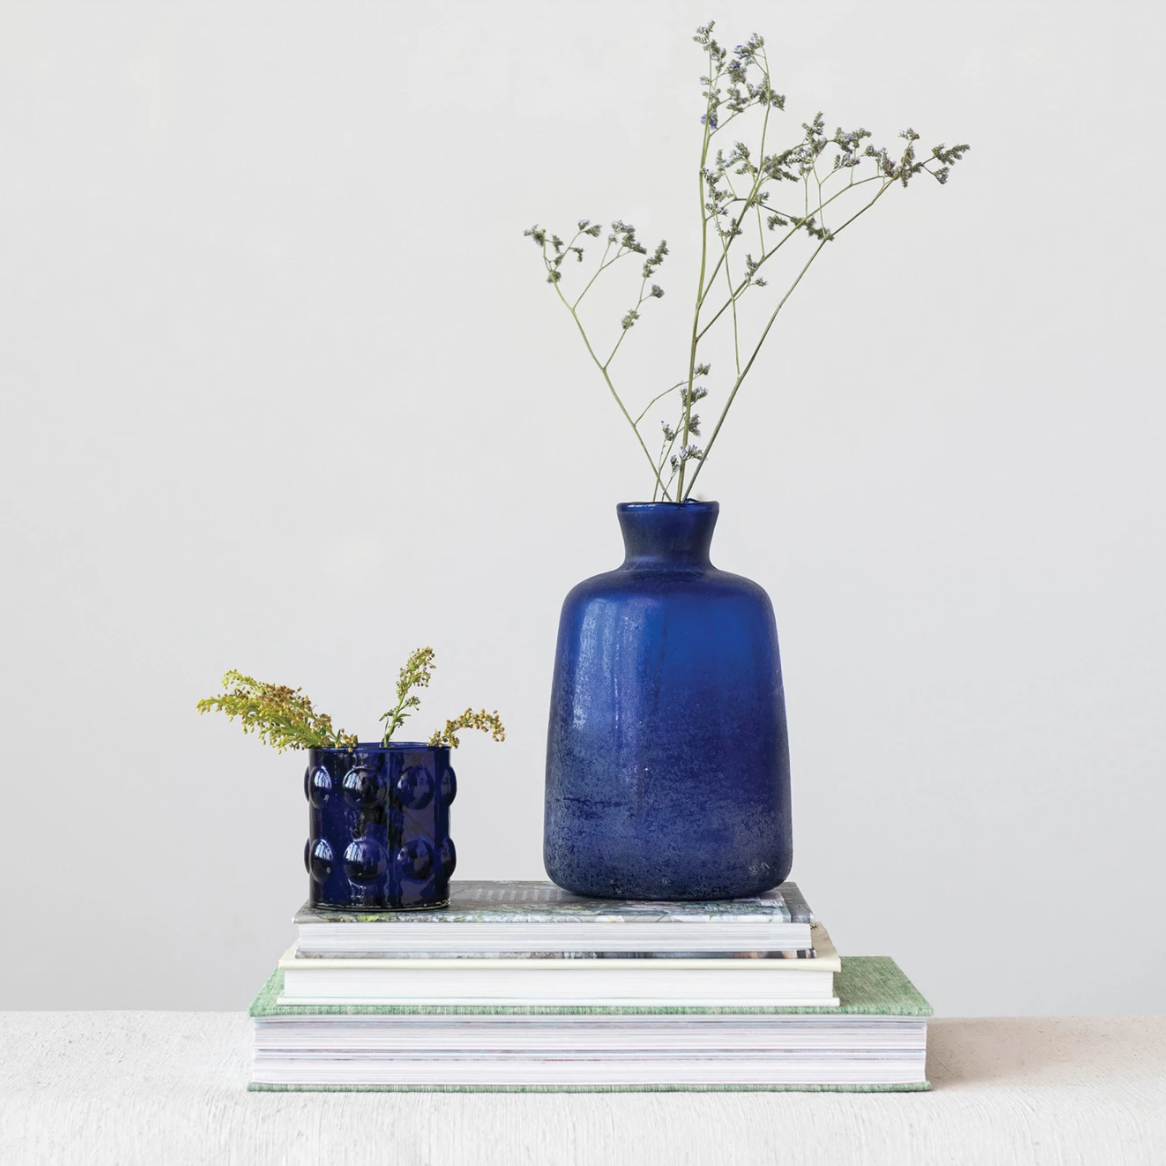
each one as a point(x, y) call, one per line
point(667, 534)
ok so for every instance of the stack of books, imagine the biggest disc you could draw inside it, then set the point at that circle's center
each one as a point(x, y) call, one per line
point(521, 985)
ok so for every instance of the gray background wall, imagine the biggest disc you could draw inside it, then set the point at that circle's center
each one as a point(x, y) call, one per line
point(283, 390)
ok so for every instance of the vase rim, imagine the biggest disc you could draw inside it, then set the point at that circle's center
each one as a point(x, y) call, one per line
point(376, 746)
point(687, 504)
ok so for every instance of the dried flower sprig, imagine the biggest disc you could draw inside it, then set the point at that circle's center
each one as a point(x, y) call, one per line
point(620, 243)
point(735, 195)
point(416, 673)
point(282, 717)
point(486, 722)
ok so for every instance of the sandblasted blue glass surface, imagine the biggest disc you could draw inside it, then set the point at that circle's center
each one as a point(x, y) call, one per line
point(667, 751)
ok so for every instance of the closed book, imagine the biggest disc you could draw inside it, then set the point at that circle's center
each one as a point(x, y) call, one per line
point(702, 982)
point(874, 1039)
point(514, 919)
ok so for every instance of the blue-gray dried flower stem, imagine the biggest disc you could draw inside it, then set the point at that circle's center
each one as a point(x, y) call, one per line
point(733, 201)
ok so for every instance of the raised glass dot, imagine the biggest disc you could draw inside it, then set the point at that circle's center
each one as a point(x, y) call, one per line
point(320, 860)
point(415, 860)
point(318, 786)
point(448, 857)
point(448, 786)
point(415, 787)
point(365, 860)
point(363, 788)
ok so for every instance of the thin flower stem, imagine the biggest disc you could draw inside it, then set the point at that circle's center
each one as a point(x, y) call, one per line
point(745, 372)
point(666, 449)
point(733, 301)
point(797, 226)
point(714, 76)
point(658, 397)
point(753, 192)
point(798, 223)
point(602, 268)
point(729, 277)
point(611, 356)
point(772, 318)
point(618, 400)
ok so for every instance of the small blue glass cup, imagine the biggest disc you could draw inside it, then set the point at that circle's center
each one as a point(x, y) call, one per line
point(378, 826)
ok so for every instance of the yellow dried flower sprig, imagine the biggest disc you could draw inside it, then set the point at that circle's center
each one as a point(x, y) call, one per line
point(486, 722)
point(416, 674)
point(284, 718)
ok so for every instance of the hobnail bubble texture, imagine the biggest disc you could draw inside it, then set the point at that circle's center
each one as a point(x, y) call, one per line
point(385, 812)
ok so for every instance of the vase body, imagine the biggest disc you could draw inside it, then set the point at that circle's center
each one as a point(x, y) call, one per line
point(667, 751)
point(378, 826)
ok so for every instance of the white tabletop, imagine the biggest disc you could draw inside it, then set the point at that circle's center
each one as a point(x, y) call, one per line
point(169, 1087)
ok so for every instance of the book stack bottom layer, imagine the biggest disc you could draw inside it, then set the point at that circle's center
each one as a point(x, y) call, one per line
point(874, 1038)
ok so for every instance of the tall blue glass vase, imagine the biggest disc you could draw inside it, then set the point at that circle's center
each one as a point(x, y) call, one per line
point(667, 754)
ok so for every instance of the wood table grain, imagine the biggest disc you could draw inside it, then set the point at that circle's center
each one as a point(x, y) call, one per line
point(169, 1087)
